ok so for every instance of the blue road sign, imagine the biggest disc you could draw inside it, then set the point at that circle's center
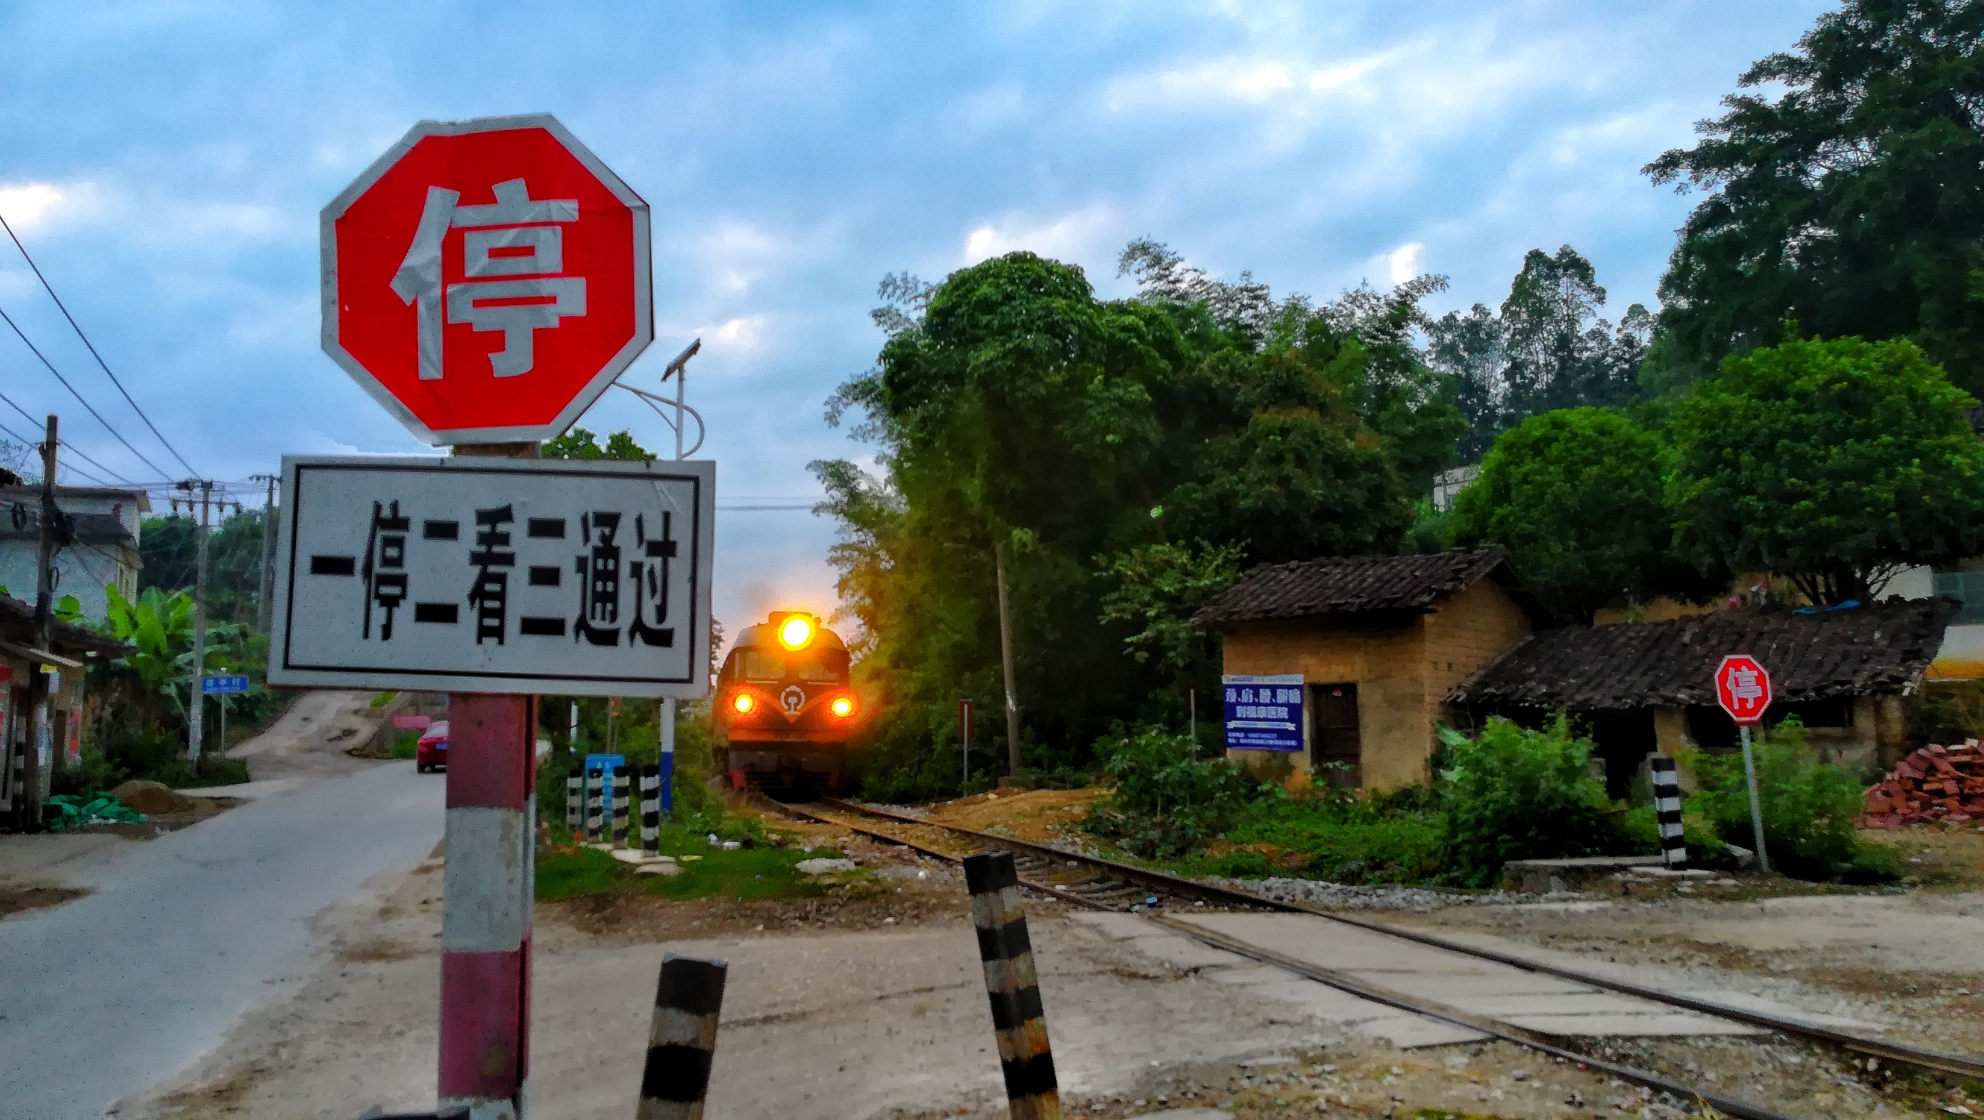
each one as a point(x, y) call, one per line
point(221, 686)
point(1263, 713)
point(604, 763)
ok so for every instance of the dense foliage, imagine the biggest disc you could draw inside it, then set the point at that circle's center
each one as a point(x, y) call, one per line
point(1545, 348)
point(1577, 497)
point(1513, 793)
point(1845, 190)
point(1011, 405)
point(1165, 796)
point(1808, 806)
point(1835, 463)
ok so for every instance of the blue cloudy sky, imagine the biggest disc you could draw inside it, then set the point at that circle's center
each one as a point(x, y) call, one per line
point(165, 162)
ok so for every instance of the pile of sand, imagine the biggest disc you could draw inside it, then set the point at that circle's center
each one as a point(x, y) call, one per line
point(152, 798)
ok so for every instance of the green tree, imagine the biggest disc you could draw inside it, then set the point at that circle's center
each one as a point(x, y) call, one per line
point(1851, 202)
point(1577, 498)
point(1545, 348)
point(582, 444)
point(1009, 404)
point(1160, 587)
point(170, 552)
point(1835, 463)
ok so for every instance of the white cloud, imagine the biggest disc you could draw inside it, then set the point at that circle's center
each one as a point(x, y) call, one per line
point(737, 254)
point(1404, 261)
point(42, 206)
point(746, 332)
point(24, 205)
point(1069, 237)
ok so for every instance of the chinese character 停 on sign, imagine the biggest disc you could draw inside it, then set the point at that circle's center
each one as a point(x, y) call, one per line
point(512, 253)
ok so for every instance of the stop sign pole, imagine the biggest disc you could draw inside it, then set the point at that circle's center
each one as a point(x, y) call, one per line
point(1742, 686)
point(485, 281)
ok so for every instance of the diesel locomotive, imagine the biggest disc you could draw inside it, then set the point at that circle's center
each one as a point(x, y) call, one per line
point(784, 705)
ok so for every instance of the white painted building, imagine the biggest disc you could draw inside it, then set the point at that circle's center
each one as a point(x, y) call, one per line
point(107, 522)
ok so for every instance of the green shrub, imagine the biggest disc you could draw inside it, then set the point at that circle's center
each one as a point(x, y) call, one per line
point(1517, 794)
point(1808, 806)
point(1639, 831)
point(1164, 798)
point(1345, 839)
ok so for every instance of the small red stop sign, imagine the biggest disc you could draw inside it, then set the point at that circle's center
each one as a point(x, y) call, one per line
point(487, 280)
point(1743, 688)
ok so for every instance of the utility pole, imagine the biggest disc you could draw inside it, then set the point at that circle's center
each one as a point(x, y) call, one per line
point(40, 756)
point(265, 589)
point(196, 713)
point(1006, 656)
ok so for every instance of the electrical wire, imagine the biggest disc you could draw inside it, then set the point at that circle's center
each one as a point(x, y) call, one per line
point(65, 443)
point(64, 465)
point(79, 397)
point(92, 348)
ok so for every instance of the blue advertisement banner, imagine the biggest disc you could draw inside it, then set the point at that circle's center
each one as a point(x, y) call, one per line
point(1263, 713)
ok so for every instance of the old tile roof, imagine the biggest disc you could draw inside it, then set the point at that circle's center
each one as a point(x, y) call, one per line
point(1354, 585)
point(1881, 647)
point(17, 619)
point(95, 527)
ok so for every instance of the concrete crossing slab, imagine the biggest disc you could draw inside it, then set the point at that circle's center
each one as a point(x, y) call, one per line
point(1470, 984)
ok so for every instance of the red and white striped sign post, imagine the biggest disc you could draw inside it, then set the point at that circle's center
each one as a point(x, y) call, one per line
point(487, 904)
point(486, 281)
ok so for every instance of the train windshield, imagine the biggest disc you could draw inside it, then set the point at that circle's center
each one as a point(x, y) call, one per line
point(763, 666)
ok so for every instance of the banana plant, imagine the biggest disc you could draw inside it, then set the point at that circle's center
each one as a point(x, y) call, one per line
point(159, 627)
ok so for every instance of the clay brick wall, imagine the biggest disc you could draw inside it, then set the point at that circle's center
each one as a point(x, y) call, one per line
point(1466, 632)
point(1388, 666)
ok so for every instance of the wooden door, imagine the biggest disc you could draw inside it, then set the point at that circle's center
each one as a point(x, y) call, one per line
point(1336, 749)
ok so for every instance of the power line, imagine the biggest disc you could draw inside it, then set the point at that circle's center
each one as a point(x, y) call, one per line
point(79, 397)
point(65, 465)
point(92, 346)
point(65, 443)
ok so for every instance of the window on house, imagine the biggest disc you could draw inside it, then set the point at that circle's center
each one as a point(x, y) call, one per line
point(1966, 588)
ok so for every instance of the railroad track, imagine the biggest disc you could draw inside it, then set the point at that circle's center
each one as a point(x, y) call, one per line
point(1108, 885)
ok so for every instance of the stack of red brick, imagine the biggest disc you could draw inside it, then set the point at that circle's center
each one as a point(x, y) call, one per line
point(1933, 784)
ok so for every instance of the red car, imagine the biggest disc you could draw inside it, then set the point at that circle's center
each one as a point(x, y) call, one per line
point(431, 753)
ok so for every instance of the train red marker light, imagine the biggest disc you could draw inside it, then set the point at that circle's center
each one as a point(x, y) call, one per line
point(843, 706)
point(743, 703)
point(795, 632)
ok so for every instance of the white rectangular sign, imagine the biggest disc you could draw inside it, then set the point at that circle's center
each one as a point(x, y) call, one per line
point(472, 574)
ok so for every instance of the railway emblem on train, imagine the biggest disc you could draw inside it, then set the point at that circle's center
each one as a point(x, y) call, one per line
point(794, 698)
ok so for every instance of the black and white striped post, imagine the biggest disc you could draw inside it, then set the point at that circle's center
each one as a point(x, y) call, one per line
point(623, 788)
point(1013, 985)
point(681, 1039)
point(595, 804)
point(651, 810)
point(1667, 809)
point(575, 802)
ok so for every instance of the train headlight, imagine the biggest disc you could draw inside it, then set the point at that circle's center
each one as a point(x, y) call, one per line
point(843, 706)
point(742, 704)
point(795, 632)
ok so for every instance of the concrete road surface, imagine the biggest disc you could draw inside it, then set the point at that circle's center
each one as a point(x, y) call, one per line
point(112, 993)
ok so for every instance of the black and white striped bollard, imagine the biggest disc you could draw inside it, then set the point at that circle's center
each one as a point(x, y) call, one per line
point(651, 810)
point(575, 802)
point(595, 804)
point(681, 1039)
point(1013, 985)
point(622, 793)
point(1667, 809)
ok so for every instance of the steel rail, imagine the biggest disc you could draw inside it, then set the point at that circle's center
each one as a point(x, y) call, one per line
point(1494, 1028)
point(1956, 1064)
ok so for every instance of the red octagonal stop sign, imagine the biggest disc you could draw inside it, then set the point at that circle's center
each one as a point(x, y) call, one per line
point(1743, 688)
point(487, 280)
